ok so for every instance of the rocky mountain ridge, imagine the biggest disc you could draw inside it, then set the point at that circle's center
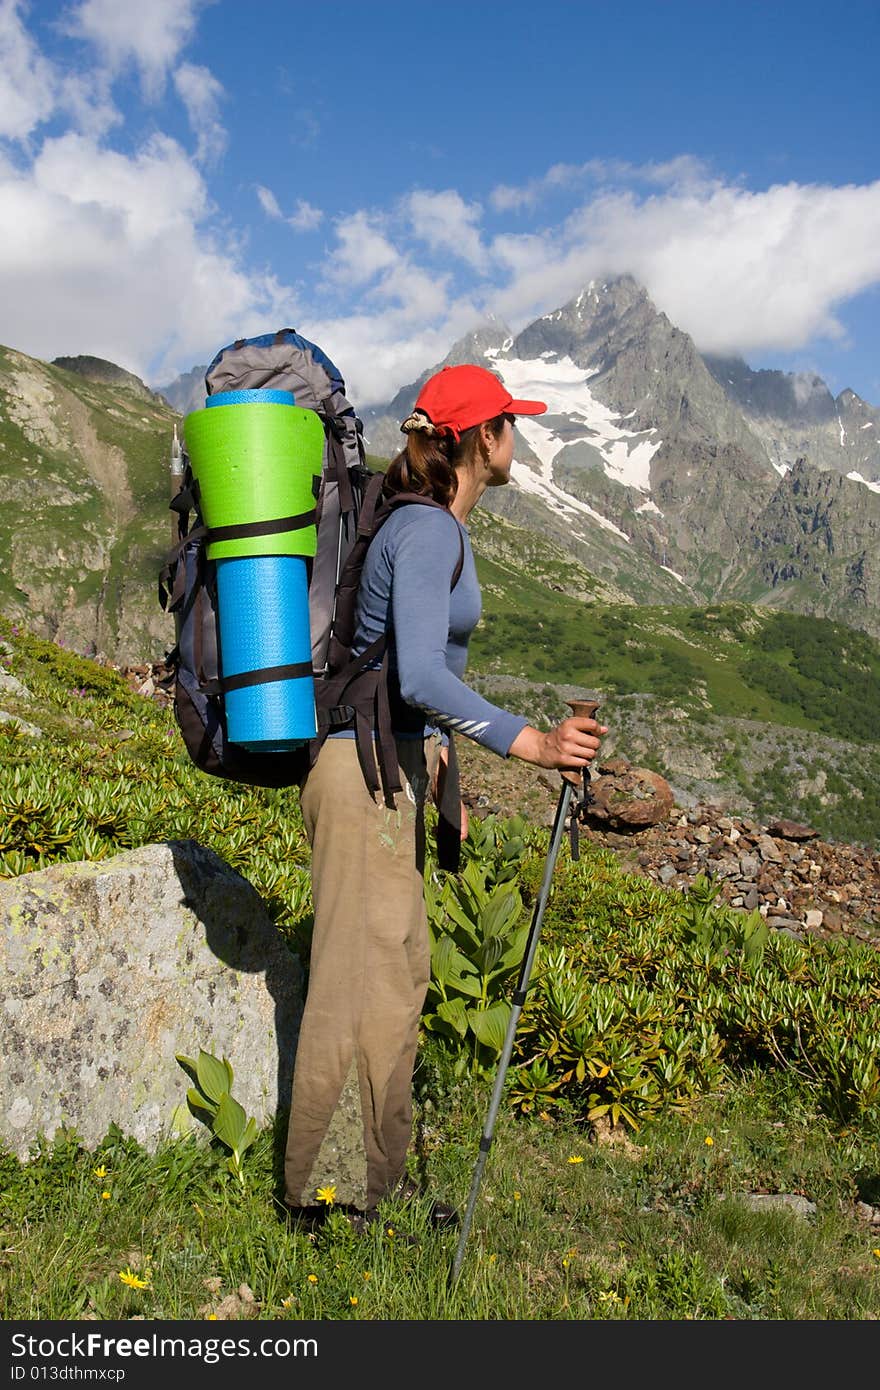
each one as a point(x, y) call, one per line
point(84, 457)
point(678, 477)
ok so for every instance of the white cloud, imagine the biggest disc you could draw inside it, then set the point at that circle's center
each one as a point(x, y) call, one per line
point(117, 253)
point(684, 171)
point(28, 84)
point(365, 266)
point(445, 222)
point(305, 217)
point(269, 203)
point(377, 353)
point(111, 255)
point(148, 33)
point(805, 385)
point(201, 94)
point(33, 89)
point(362, 251)
point(738, 270)
point(86, 98)
point(421, 296)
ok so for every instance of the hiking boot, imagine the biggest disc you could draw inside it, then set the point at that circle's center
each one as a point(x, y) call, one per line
point(305, 1220)
point(360, 1221)
point(441, 1216)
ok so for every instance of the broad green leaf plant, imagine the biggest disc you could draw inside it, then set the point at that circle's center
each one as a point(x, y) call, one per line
point(210, 1100)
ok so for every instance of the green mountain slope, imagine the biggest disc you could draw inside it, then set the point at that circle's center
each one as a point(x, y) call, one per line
point(760, 711)
point(85, 522)
point(752, 707)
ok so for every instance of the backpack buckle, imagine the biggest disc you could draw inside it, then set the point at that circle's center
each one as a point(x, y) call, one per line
point(337, 716)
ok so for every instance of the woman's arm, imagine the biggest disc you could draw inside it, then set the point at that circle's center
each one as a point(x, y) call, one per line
point(425, 558)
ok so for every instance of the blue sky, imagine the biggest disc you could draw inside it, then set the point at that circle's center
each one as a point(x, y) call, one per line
point(382, 176)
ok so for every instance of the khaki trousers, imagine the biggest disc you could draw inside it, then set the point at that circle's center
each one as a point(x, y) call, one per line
point(351, 1105)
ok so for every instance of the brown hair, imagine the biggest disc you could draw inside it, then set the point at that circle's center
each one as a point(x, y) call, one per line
point(428, 462)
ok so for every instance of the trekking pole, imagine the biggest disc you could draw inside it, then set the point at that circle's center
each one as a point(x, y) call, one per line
point(176, 478)
point(571, 781)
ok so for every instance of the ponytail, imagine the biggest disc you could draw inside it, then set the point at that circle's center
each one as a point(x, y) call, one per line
point(424, 466)
point(429, 461)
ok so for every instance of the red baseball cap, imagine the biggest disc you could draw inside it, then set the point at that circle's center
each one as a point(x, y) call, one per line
point(455, 398)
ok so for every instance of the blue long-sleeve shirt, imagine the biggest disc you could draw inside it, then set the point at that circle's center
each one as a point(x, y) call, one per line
point(406, 591)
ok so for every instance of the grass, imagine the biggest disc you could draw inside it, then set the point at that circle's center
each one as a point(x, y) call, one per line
point(654, 1228)
point(572, 1223)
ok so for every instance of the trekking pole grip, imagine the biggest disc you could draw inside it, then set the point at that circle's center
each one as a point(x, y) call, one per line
point(581, 709)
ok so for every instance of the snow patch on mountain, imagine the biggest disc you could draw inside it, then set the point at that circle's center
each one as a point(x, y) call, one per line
point(857, 478)
point(541, 485)
point(563, 386)
point(675, 575)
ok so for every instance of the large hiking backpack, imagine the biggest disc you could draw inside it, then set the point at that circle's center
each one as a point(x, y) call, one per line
point(350, 508)
point(188, 581)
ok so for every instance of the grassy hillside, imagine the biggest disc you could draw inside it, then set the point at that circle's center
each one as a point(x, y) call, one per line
point(85, 470)
point(766, 711)
point(740, 1066)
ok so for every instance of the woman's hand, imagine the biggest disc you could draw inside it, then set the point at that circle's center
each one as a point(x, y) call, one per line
point(571, 745)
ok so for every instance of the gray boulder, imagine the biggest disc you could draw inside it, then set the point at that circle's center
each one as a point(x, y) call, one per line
point(110, 968)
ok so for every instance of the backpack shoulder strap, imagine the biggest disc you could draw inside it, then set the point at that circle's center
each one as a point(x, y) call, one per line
point(403, 499)
point(375, 511)
point(357, 686)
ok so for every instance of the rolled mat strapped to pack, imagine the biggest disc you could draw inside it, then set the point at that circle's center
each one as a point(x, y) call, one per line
point(257, 464)
point(263, 610)
point(256, 458)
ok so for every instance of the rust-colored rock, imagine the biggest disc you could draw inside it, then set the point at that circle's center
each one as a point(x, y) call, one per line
point(634, 797)
point(614, 767)
point(791, 830)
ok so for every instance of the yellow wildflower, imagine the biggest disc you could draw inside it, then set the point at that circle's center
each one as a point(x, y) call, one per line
point(390, 1232)
point(352, 1298)
point(105, 1196)
point(287, 1302)
point(327, 1194)
point(132, 1280)
point(100, 1172)
point(709, 1141)
point(517, 1196)
point(313, 1278)
point(212, 1317)
point(877, 1253)
point(575, 1158)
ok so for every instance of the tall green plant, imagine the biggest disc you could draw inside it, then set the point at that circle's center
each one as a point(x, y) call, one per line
point(478, 937)
point(210, 1100)
point(722, 931)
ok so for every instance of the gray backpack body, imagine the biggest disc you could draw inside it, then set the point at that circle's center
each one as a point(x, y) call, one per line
point(187, 583)
point(350, 508)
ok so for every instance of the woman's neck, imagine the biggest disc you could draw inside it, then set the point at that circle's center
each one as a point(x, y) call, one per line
point(468, 494)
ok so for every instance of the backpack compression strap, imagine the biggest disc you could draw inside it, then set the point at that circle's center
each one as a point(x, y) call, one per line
point(357, 692)
point(245, 529)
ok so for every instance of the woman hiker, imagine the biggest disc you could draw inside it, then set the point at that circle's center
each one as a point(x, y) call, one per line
point(351, 1113)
